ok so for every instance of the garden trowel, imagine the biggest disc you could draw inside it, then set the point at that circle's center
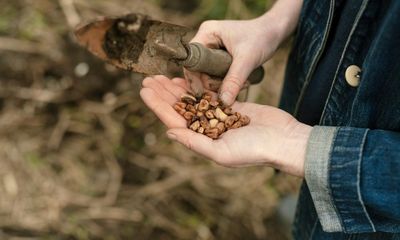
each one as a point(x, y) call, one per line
point(137, 43)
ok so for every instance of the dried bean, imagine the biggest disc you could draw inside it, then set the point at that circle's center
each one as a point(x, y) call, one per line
point(188, 115)
point(194, 126)
point(207, 97)
point(203, 105)
point(213, 123)
point(221, 127)
point(228, 110)
point(212, 133)
point(200, 130)
point(191, 108)
point(214, 103)
point(187, 98)
point(210, 114)
point(220, 114)
point(236, 125)
point(230, 121)
point(209, 117)
point(204, 122)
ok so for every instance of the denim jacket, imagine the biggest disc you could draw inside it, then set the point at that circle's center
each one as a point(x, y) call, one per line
point(352, 179)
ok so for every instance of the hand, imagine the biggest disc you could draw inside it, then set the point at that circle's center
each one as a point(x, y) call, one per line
point(272, 138)
point(250, 44)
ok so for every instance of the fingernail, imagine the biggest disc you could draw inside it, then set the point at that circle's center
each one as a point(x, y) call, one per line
point(197, 89)
point(171, 136)
point(226, 97)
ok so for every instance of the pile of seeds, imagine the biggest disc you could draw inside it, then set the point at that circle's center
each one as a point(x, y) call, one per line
point(209, 117)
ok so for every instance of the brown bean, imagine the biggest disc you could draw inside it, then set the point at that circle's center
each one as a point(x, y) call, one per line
point(188, 115)
point(214, 103)
point(244, 120)
point(220, 115)
point(180, 104)
point(209, 117)
point(212, 133)
point(191, 108)
point(228, 110)
point(236, 125)
point(179, 109)
point(199, 114)
point(207, 96)
point(238, 115)
point(194, 126)
point(230, 121)
point(209, 114)
point(187, 98)
point(221, 127)
point(213, 123)
point(200, 130)
point(204, 122)
point(203, 105)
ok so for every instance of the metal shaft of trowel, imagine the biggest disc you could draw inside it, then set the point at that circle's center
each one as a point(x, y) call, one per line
point(214, 62)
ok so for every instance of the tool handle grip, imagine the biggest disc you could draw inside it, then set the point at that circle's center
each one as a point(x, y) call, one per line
point(215, 62)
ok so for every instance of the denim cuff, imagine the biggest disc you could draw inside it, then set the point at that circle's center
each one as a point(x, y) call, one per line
point(318, 154)
point(345, 177)
point(333, 172)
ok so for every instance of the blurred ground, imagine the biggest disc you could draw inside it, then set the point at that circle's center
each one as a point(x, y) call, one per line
point(82, 157)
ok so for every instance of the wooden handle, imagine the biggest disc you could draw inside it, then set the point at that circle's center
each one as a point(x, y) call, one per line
point(215, 62)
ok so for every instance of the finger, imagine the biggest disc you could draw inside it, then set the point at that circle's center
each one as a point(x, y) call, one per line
point(162, 109)
point(194, 79)
point(151, 82)
point(214, 84)
point(234, 80)
point(214, 95)
point(208, 35)
point(183, 83)
point(205, 80)
point(195, 141)
point(171, 87)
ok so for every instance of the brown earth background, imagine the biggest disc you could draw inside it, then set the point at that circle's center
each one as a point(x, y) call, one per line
point(81, 157)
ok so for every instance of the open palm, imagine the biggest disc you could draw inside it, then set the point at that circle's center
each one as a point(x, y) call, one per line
point(268, 139)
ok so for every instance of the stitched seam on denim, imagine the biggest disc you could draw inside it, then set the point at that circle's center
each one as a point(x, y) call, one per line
point(316, 57)
point(330, 190)
point(357, 20)
point(360, 156)
point(328, 181)
point(313, 229)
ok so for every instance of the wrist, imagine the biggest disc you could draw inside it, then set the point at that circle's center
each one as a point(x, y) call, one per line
point(293, 154)
point(277, 24)
point(284, 16)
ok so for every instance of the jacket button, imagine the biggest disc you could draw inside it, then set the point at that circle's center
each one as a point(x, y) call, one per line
point(352, 75)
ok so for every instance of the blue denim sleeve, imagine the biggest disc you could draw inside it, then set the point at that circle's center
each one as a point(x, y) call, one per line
point(353, 177)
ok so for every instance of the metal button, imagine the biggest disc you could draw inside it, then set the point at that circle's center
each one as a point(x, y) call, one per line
point(352, 75)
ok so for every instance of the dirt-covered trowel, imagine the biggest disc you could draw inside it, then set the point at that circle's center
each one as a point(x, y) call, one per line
point(137, 43)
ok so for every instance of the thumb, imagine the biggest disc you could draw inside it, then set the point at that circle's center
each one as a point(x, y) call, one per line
point(234, 80)
point(194, 141)
point(209, 34)
point(195, 82)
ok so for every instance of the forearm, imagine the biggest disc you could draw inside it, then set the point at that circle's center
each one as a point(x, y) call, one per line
point(284, 15)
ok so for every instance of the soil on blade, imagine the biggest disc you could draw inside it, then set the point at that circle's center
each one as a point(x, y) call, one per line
point(127, 37)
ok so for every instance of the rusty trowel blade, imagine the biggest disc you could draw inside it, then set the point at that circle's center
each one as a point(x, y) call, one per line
point(91, 36)
point(136, 43)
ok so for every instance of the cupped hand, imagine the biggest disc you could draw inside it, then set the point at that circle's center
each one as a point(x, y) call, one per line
point(272, 138)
